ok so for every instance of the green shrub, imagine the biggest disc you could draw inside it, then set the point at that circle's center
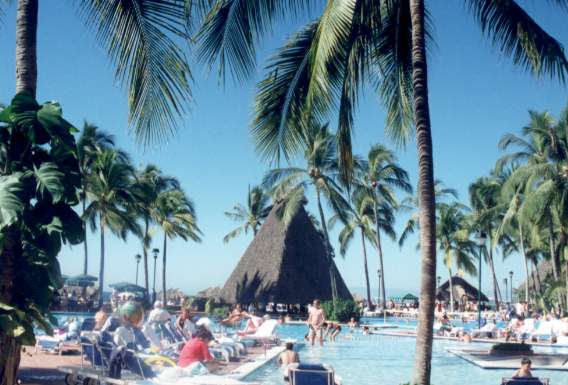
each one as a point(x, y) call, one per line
point(221, 311)
point(343, 310)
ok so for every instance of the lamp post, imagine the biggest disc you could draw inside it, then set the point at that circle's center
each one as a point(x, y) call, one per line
point(511, 283)
point(438, 279)
point(138, 257)
point(481, 238)
point(505, 282)
point(155, 252)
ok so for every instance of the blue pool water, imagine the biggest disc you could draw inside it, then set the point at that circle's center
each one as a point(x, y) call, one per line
point(378, 360)
point(384, 360)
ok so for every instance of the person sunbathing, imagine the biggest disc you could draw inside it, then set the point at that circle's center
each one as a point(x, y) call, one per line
point(252, 325)
point(236, 315)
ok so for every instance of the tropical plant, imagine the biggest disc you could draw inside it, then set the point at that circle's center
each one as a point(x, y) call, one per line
point(487, 210)
point(326, 64)
point(320, 172)
point(358, 219)
point(452, 236)
point(175, 214)
point(90, 144)
point(141, 39)
point(110, 202)
point(341, 310)
point(378, 176)
point(39, 184)
point(252, 216)
point(149, 183)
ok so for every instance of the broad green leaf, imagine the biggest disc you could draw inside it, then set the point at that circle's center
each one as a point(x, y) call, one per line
point(50, 179)
point(10, 326)
point(10, 203)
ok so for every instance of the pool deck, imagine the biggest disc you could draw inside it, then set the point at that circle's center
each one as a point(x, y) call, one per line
point(485, 360)
point(412, 334)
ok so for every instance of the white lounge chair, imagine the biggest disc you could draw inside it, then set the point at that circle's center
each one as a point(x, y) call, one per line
point(264, 332)
point(544, 331)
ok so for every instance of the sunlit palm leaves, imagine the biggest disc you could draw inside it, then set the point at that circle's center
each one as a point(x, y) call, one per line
point(250, 216)
point(141, 39)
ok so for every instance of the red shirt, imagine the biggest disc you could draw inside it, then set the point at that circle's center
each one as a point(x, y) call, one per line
point(194, 351)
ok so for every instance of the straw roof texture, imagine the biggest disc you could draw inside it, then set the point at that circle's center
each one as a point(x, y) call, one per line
point(284, 264)
point(461, 288)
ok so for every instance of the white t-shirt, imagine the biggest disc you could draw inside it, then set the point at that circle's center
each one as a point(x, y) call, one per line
point(159, 315)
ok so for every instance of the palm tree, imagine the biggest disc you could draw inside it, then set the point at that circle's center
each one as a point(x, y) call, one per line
point(90, 144)
point(452, 236)
point(110, 197)
point(359, 218)
point(175, 214)
point(379, 175)
point(320, 172)
point(252, 216)
point(149, 184)
point(141, 40)
point(326, 64)
point(487, 210)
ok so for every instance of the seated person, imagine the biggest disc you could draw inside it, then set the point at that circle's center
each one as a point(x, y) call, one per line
point(197, 350)
point(158, 313)
point(184, 323)
point(287, 357)
point(127, 334)
point(446, 325)
point(525, 369)
point(100, 319)
point(70, 330)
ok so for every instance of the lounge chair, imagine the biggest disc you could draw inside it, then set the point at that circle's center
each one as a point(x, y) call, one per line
point(265, 332)
point(544, 332)
point(311, 374)
point(525, 381)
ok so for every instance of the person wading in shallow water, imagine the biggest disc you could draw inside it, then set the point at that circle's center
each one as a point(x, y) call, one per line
point(287, 357)
point(315, 323)
point(525, 369)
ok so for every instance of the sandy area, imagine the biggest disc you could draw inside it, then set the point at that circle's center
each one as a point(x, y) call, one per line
point(41, 368)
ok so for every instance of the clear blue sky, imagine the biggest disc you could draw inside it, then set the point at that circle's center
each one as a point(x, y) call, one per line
point(476, 96)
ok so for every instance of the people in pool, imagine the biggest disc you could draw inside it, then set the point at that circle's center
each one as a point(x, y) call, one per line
point(287, 357)
point(525, 370)
point(315, 322)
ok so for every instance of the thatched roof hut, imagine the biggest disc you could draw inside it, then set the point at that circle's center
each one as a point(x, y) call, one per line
point(461, 289)
point(284, 264)
point(211, 292)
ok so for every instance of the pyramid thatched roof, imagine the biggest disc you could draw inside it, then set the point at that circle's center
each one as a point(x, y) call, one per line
point(284, 264)
point(461, 288)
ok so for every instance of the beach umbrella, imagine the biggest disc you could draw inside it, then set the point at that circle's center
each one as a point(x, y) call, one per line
point(410, 297)
point(126, 286)
point(82, 280)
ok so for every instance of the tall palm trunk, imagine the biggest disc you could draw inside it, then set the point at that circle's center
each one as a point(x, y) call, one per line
point(328, 247)
point(553, 254)
point(383, 298)
point(145, 254)
point(26, 80)
point(102, 265)
point(451, 291)
point(496, 291)
point(525, 262)
point(535, 276)
point(9, 348)
point(369, 299)
point(26, 46)
point(86, 255)
point(426, 199)
point(164, 270)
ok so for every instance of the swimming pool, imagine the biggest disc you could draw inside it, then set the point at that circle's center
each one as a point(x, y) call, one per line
point(378, 360)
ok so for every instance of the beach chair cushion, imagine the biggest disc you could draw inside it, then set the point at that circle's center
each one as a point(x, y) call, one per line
point(311, 374)
point(525, 381)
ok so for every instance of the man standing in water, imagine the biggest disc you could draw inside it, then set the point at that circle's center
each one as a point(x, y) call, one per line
point(316, 319)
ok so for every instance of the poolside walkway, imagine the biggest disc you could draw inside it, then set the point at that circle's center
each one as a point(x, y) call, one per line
point(41, 368)
point(482, 358)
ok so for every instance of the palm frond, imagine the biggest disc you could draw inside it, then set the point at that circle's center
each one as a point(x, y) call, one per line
point(517, 35)
point(140, 39)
